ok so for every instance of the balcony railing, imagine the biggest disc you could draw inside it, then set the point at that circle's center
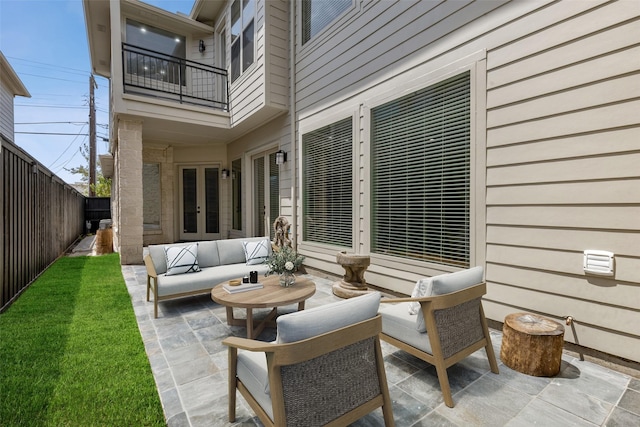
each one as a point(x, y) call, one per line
point(152, 73)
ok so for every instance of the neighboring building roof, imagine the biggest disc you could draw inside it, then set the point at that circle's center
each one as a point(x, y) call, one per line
point(12, 80)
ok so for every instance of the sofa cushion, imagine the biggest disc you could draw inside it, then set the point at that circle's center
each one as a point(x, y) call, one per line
point(319, 320)
point(182, 259)
point(159, 258)
point(206, 279)
point(208, 254)
point(256, 252)
point(231, 251)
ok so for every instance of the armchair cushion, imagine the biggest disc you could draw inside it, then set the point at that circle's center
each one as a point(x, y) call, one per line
point(253, 372)
point(450, 282)
point(397, 322)
point(319, 320)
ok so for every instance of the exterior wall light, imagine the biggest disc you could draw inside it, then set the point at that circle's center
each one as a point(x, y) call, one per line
point(281, 157)
point(225, 173)
point(201, 46)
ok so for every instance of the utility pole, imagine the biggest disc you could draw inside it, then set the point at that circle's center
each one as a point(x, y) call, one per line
point(92, 137)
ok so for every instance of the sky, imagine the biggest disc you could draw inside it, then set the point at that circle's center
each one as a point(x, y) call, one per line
point(45, 41)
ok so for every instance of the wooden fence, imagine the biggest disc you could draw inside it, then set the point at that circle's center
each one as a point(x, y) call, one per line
point(42, 217)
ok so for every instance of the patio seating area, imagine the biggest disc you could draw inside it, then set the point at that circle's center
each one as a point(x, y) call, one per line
point(190, 362)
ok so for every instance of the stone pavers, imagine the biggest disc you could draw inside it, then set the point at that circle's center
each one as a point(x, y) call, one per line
point(189, 364)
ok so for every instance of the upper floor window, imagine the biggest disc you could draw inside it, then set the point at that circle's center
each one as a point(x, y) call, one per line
point(317, 14)
point(242, 36)
point(154, 53)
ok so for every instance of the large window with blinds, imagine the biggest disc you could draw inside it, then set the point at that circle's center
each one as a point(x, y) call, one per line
point(317, 14)
point(328, 184)
point(421, 174)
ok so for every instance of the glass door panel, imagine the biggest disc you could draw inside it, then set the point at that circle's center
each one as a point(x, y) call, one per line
point(258, 199)
point(266, 193)
point(199, 203)
point(189, 201)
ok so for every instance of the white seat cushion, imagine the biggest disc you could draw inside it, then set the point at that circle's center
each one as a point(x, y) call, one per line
point(252, 371)
point(399, 324)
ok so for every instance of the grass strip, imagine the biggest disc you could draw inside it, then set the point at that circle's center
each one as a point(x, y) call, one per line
point(71, 353)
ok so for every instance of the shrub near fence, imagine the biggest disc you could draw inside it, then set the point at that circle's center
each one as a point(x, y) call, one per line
point(42, 217)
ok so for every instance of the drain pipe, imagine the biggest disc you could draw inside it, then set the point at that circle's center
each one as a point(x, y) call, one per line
point(292, 114)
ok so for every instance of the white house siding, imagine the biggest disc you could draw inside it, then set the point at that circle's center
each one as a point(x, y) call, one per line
point(264, 85)
point(6, 112)
point(563, 149)
point(557, 144)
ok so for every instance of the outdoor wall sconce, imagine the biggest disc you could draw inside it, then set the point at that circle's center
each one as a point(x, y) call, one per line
point(201, 46)
point(225, 173)
point(281, 157)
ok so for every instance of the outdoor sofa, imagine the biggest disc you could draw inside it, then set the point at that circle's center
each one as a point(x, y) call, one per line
point(181, 269)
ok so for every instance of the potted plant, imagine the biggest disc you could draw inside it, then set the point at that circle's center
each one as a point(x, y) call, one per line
point(284, 261)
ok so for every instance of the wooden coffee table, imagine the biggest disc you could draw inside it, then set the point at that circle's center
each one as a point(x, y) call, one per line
point(272, 295)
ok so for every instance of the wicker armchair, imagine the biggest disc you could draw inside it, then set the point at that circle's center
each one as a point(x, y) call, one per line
point(449, 326)
point(331, 378)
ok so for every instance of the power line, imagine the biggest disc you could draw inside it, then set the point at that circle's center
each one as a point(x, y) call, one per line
point(53, 133)
point(49, 106)
point(65, 150)
point(49, 65)
point(52, 78)
point(51, 123)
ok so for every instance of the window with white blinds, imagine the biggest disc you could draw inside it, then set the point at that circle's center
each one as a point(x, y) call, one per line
point(421, 174)
point(328, 184)
point(317, 14)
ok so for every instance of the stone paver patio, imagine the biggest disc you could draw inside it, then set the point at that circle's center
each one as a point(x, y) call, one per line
point(190, 368)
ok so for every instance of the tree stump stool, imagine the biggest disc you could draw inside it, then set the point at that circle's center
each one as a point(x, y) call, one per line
point(532, 344)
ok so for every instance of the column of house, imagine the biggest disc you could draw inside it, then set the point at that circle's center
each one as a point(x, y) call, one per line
point(130, 191)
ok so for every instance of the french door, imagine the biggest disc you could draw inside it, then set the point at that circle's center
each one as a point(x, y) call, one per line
point(199, 202)
point(266, 193)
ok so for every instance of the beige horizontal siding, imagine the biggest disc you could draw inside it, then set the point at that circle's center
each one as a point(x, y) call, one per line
point(571, 146)
point(622, 294)
point(581, 193)
point(585, 334)
point(563, 149)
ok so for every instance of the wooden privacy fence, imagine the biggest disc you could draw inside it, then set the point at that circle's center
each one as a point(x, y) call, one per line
point(42, 217)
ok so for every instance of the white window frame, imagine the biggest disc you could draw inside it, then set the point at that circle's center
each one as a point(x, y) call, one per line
point(240, 40)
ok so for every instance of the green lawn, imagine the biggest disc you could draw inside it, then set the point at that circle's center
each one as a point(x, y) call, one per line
point(71, 353)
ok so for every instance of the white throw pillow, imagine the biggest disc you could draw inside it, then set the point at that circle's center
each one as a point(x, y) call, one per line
point(256, 252)
point(182, 259)
point(422, 289)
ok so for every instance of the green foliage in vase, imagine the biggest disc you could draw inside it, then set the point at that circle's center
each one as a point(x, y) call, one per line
point(284, 259)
